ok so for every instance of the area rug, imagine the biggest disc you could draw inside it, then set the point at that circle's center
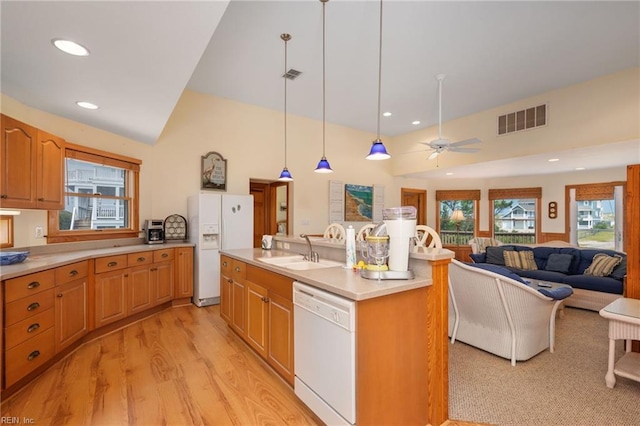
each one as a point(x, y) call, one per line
point(566, 387)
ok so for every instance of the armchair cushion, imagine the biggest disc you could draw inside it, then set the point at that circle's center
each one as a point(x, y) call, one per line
point(478, 257)
point(557, 293)
point(559, 262)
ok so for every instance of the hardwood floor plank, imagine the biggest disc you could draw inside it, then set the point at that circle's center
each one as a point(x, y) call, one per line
point(182, 366)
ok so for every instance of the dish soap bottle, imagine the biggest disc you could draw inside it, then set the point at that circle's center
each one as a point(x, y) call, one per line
point(350, 247)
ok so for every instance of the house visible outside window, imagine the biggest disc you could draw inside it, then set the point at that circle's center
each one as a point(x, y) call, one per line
point(101, 197)
point(515, 213)
point(596, 215)
point(6, 231)
point(453, 229)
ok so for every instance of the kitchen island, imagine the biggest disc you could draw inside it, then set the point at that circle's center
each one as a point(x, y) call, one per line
point(401, 360)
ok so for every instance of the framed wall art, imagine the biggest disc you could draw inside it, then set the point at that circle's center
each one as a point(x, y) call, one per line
point(213, 172)
point(358, 203)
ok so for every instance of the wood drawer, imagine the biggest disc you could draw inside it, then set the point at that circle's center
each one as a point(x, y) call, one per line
point(28, 328)
point(239, 270)
point(164, 254)
point(27, 307)
point(141, 258)
point(67, 273)
point(111, 263)
point(27, 356)
point(226, 266)
point(26, 285)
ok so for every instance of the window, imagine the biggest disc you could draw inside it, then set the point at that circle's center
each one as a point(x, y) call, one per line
point(101, 197)
point(515, 213)
point(6, 231)
point(456, 219)
point(596, 215)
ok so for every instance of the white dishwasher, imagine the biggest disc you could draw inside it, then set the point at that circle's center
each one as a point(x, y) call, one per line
point(324, 351)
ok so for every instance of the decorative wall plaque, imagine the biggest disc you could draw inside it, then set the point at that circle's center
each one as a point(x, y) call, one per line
point(213, 172)
point(553, 210)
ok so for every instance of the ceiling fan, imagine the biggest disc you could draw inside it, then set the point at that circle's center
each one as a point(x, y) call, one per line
point(440, 145)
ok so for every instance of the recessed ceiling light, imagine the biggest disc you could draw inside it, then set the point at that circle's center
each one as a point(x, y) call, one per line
point(415, 123)
point(87, 105)
point(449, 173)
point(579, 168)
point(70, 47)
point(386, 114)
point(551, 160)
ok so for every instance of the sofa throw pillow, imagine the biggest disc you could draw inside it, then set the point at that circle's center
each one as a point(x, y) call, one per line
point(520, 260)
point(559, 262)
point(602, 265)
point(621, 270)
point(495, 255)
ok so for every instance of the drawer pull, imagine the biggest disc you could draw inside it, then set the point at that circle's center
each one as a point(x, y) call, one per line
point(59, 294)
point(33, 285)
point(229, 280)
point(4, 196)
point(33, 355)
point(73, 273)
point(265, 299)
point(140, 259)
point(111, 264)
point(41, 199)
point(165, 254)
point(237, 269)
point(153, 269)
point(224, 264)
point(34, 305)
point(33, 327)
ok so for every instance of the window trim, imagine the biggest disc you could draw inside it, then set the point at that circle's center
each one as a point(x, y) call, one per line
point(93, 155)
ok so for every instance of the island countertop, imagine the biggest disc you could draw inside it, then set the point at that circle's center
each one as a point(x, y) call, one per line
point(337, 280)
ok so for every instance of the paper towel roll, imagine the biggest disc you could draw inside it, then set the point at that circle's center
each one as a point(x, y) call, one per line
point(350, 247)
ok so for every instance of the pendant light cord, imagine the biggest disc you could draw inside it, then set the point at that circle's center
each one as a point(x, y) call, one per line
point(379, 72)
point(286, 38)
point(324, 3)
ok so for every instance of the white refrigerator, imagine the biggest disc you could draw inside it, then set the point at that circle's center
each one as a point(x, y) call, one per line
point(216, 222)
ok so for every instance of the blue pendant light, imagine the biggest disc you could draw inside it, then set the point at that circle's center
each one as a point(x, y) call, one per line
point(378, 151)
point(323, 164)
point(285, 175)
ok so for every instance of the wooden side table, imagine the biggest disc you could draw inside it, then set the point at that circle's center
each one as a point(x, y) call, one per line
point(624, 323)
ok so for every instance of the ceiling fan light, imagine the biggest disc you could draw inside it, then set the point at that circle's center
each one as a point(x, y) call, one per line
point(285, 176)
point(433, 155)
point(323, 166)
point(70, 47)
point(378, 151)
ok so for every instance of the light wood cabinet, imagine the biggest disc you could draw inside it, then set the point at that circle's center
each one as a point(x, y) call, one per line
point(184, 272)
point(162, 282)
point(110, 299)
point(71, 314)
point(32, 167)
point(140, 295)
point(258, 306)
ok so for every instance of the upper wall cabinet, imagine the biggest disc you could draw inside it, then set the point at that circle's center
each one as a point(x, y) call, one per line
point(32, 167)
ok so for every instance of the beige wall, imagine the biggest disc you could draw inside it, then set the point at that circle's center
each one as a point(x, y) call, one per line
point(251, 139)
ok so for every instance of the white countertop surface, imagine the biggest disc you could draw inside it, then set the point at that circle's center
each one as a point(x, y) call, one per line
point(41, 262)
point(338, 280)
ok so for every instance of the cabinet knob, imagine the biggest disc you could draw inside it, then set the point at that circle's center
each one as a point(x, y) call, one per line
point(237, 269)
point(59, 295)
point(33, 327)
point(265, 299)
point(224, 264)
point(33, 285)
point(34, 305)
point(33, 355)
point(40, 199)
point(229, 280)
point(165, 254)
point(73, 273)
point(3, 196)
point(112, 264)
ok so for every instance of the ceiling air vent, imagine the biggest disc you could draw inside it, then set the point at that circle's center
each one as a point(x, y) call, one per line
point(292, 74)
point(522, 120)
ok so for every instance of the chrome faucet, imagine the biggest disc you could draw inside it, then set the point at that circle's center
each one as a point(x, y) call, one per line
point(311, 255)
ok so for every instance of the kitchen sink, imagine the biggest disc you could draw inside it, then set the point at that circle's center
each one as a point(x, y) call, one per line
point(298, 263)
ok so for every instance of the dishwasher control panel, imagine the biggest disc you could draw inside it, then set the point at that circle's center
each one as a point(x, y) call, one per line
point(330, 307)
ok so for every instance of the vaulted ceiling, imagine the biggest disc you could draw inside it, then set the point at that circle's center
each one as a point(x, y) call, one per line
point(144, 54)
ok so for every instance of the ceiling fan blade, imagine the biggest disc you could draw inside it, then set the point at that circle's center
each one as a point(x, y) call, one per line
point(466, 142)
point(433, 155)
point(456, 149)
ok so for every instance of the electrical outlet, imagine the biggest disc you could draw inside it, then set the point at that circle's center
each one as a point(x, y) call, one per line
point(286, 246)
point(39, 232)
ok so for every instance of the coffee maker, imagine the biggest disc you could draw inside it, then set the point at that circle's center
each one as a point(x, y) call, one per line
point(399, 224)
point(153, 231)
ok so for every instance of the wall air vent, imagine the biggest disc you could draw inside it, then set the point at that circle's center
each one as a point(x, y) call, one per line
point(292, 74)
point(522, 120)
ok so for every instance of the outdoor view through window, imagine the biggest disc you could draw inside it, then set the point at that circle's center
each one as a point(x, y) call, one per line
point(596, 225)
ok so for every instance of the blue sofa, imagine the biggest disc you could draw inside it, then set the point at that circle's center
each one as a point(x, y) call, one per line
point(590, 292)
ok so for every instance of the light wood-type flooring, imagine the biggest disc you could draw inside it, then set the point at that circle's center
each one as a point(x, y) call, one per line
point(182, 366)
